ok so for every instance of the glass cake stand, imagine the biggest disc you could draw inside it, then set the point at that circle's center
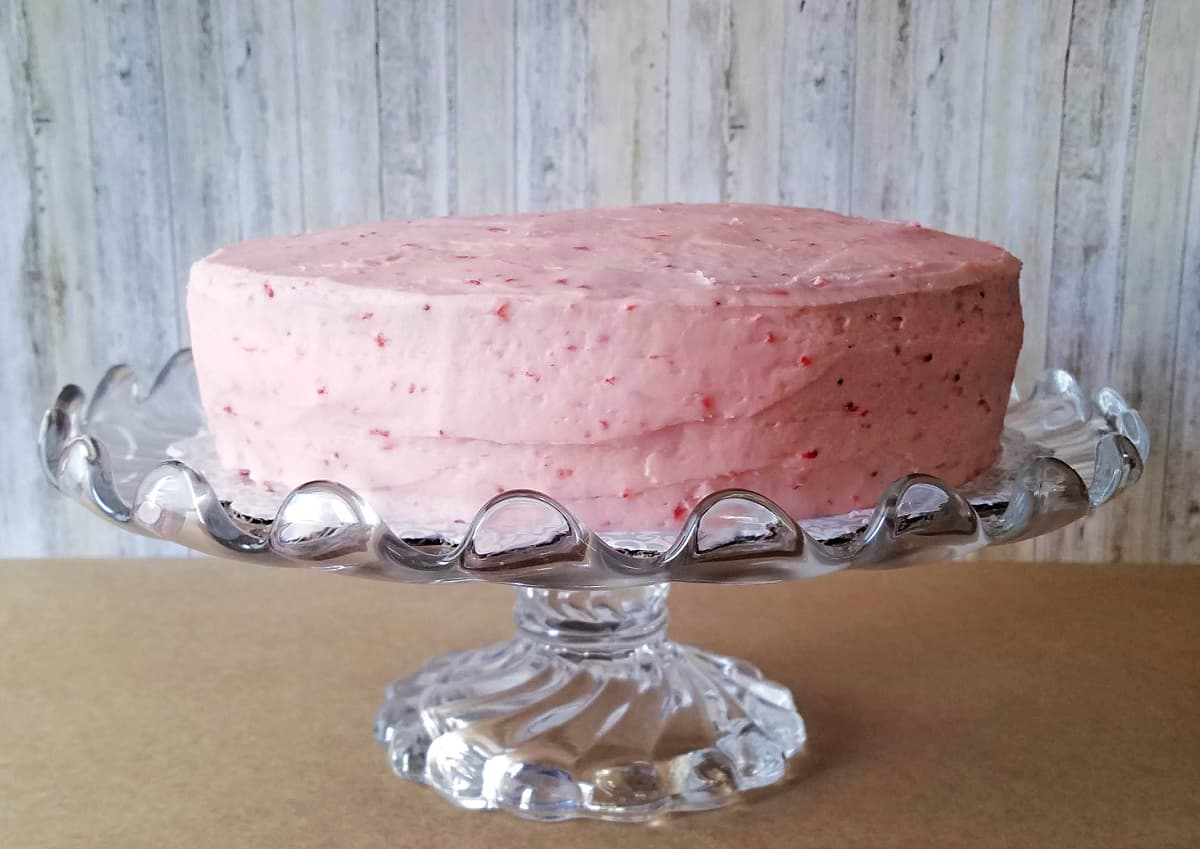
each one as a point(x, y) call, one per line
point(588, 710)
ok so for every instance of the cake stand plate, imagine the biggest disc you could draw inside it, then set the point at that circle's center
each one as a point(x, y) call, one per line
point(589, 710)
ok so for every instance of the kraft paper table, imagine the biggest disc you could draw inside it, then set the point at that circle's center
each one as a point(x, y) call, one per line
point(197, 703)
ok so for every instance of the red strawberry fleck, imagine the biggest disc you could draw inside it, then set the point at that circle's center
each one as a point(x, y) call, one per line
point(630, 307)
point(496, 230)
point(582, 248)
point(679, 512)
point(625, 493)
point(464, 256)
point(562, 474)
point(562, 281)
point(864, 412)
point(851, 407)
point(412, 387)
point(810, 455)
point(426, 307)
point(510, 280)
point(337, 456)
point(603, 424)
point(572, 347)
point(781, 292)
point(367, 316)
point(717, 303)
point(270, 291)
point(610, 380)
point(321, 390)
point(602, 338)
point(706, 402)
point(269, 487)
point(378, 431)
point(392, 388)
point(806, 361)
point(380, 340)
point(583, 286)
point(228, 409)
point(244, 472)
point(502, 311)
point(770, 338)
point(474, 282)
point(441, 432)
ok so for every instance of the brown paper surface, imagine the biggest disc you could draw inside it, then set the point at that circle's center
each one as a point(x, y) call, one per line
point(198, 703)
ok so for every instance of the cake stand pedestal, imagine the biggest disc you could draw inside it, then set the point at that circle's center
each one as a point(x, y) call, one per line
point(588, 710)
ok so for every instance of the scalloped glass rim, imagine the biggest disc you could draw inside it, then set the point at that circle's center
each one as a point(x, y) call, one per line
point(114, 456)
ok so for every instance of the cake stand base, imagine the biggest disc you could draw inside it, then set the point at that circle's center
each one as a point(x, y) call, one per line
point(590, 711)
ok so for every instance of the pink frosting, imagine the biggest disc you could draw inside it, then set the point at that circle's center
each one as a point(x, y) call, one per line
point(626, 361)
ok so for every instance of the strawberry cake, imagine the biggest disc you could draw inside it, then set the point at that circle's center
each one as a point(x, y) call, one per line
point(626, 362)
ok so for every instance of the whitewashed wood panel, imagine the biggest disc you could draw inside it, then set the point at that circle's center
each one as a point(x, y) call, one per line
point(98, 252)
point(1022, 118)
point(1152, 277)
point(816, 152)
point(1103, 84)
point(882, 181)
point(485, 106)
point(627, 102)
point(1181, 494)
point(1018, 168)
point(698, 105)
point(137, 136)
point(551, 104)
point(27, 360)
point(258, 63)
point(414, 108)
point(338, 108)
point(950, 41)
point(756, 83)
point(203, 188)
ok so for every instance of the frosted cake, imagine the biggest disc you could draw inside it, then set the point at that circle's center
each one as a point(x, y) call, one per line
point(625, 361)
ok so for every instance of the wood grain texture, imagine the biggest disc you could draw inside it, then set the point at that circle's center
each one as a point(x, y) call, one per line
point(484, 106)
point(1100, 95)
point(338, 109)
point(627, 102)
point(698, 101)
point(414, 78)
point(816, 150)
point(203, 188)
point(1181, 495)
point(551, 104)
point(1153, 273)
point(1018, 162)
point(756, 83)
point(950, 41)
point(882, 181)
point(136, 136)
point(258, 57)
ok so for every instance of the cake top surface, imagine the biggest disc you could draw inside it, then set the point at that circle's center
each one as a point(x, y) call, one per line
point(734, 253)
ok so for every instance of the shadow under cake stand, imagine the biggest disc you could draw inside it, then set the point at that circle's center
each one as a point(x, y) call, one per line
point(588, 710)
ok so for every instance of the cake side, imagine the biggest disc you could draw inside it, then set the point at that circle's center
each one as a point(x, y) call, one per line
point(628, 405)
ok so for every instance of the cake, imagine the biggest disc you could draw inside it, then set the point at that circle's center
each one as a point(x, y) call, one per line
point(626, 362)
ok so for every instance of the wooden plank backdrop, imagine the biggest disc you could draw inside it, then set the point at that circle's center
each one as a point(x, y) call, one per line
point(136, 136)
